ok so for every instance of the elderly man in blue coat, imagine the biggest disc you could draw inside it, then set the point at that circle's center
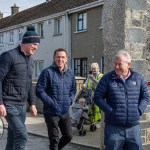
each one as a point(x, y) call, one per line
point(123, 96)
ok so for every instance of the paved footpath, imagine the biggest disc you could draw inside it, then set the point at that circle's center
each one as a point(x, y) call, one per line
point(37, 128)
point(41, 143)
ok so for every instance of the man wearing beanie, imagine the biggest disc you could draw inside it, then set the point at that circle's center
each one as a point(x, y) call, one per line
point(16, 67)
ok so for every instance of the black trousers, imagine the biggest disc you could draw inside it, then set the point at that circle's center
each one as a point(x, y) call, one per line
point(55, 125)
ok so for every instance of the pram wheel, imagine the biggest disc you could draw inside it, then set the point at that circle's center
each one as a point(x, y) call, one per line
point(92, 127)
point(82, 132)
point(79, 126)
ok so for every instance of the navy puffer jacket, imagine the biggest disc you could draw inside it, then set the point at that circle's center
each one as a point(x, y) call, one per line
point(56, 90)
point(122, 102)
point(16, 77)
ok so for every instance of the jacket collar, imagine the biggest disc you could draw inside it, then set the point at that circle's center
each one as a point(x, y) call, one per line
point(55, 66)
point(19, 51)
point(115, 76)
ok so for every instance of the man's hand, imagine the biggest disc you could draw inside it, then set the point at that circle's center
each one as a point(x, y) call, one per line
point(33, 110)
point(3, 112)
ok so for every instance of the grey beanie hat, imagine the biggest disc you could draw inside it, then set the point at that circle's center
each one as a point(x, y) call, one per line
point(30, 36)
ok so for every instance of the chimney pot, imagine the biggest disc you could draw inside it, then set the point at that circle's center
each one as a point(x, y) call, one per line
point(14, 9)
point(1, 15)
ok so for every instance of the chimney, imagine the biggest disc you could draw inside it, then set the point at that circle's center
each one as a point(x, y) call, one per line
point(14, 9)
point(1, 15)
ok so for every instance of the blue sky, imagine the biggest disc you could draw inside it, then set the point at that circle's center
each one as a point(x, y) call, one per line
point(5, 5)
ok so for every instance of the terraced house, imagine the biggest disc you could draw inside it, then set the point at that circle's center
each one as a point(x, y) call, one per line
point(75, 25)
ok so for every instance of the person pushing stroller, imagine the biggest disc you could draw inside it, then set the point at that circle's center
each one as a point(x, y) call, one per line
point(91, 83)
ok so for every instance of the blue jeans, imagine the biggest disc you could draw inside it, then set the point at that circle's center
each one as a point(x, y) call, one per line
point(17, 133)
point(126, 138)
point(54, 123)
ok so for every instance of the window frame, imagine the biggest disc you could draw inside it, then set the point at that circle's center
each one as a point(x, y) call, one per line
point(58, 26)
point(37, 70)
point(11, 38)
point(20, 34)
point(80, 67)
point(1, 39)
point(82, 21)
point(41, 29)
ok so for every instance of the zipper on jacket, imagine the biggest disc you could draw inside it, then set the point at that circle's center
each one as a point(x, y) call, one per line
point(62, 74)
point(126, 100)
point(27, 74)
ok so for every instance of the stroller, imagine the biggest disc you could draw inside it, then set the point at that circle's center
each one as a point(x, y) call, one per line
point(82, 111)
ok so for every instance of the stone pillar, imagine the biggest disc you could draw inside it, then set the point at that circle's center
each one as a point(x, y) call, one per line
point(113, 30)
point(125, 26)
point(148, 40)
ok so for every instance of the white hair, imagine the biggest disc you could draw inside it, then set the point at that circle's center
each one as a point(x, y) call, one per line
point(125, 54)
point(94, 65)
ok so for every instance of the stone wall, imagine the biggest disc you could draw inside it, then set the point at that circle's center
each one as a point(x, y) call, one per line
point(136, 34)
point(148, 40)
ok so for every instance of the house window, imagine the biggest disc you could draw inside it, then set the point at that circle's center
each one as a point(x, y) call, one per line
point(40, 29)
point(57, 29)
point(39, 66)
point(80, 67)
point(1, 38)
point(11, 36)
point(20, 34)
point(82, 21)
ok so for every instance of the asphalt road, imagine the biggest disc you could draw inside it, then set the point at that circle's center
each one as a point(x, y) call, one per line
point(40, 143)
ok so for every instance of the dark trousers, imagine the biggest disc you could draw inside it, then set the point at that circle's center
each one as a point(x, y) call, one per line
point(126, 138)
point(17, 133)
point(56, 124)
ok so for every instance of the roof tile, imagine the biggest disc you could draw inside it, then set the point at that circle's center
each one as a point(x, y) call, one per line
point(42, 10)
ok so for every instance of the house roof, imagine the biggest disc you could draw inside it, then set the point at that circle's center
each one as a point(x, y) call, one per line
point(42, 10)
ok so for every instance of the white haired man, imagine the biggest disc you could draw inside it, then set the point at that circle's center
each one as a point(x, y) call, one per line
point(123, 96)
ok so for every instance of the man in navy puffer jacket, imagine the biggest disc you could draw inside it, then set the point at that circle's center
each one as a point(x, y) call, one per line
point(56, 88)
point(16, 68)
point(123, 96)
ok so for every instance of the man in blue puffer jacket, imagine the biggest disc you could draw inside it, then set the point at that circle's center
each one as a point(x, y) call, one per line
point(123, 96)
point(56, 88)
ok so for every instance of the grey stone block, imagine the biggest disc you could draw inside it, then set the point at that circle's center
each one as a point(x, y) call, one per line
point(136, 23)
point(143, 140)
point(143, 117)
point(139, 66)
point(143, 132)
point(136, 35)
point(144, 124)
point(137, 4)
point(146, 147)
point(147, 109)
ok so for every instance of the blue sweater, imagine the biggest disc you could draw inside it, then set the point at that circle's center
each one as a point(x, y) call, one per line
point(122, 102)
point(56, 90)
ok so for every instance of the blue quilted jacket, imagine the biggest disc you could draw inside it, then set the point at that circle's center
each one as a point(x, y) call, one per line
point(122, 102)
point(56, 90)
point(16, 78)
